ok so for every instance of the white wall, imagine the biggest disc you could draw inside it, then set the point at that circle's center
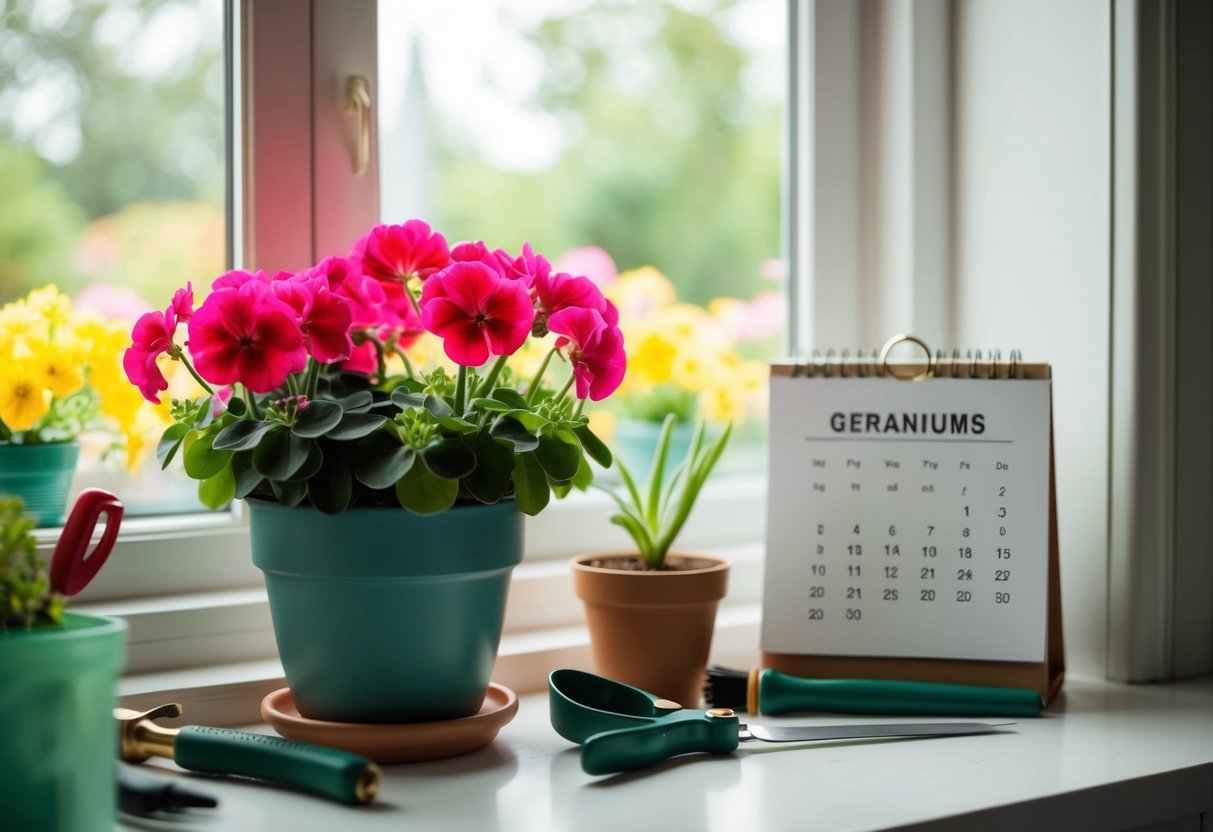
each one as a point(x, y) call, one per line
point(1032, 241)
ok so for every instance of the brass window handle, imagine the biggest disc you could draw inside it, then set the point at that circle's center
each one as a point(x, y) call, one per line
point(358, 104)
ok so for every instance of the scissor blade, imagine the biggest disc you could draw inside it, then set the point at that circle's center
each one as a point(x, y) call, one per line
point(852, 732)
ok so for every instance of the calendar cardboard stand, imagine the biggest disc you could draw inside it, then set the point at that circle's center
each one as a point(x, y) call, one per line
point(789, 499)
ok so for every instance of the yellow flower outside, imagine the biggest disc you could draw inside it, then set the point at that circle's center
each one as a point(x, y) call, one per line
point(23, 401)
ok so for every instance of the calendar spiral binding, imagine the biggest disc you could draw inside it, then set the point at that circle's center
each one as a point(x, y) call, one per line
point(973, 364)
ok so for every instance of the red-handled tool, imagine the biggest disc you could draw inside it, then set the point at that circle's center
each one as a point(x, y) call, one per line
point(73, 566)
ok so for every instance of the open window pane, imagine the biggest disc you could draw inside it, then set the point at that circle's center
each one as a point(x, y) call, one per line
point(112, 155)
point(635, 142)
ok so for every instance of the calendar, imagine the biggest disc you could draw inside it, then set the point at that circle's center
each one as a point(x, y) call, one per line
point(912, 521)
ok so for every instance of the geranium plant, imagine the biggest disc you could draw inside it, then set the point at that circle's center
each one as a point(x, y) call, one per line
point(60, 374)
point(310, 396)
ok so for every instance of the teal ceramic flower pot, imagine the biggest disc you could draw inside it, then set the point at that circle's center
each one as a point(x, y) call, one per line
point(41, 476)
point(58, 739)
point(382, 616)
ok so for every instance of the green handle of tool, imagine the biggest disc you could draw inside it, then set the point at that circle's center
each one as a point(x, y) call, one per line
point(327, 772)
point(779, 693)
point(630, 749)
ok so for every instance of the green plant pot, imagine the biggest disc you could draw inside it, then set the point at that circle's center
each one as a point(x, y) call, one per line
point(59, 740)
point(635, 441)
point(382, 616)
point(41, 476)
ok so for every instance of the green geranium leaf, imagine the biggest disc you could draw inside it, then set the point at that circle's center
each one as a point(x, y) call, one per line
point(381, 461)
point(512, 430)
point(241, 435)
point(531, 491)
point(247, 477)
point(559, 453)
point(489, 404)
point(169, 442)
point(511, 397)
point(533, 422)
point(449, 459)
point(317, 419)
point(584, 477)
point(330, 490)
point(315, 458)
point(490, 481)
point(237, 407)
point(355, 426)
point(455, 423)
point(206, 414)
point(594, 446)
point(202, 461)
point(403, 399)
point(357, 402)
point(218, 490)
point(421, 492)
point(280, 454)
point(290, 494)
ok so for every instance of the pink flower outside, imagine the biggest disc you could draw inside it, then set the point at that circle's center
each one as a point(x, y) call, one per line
point(476, 312)
point(246, 335)
point(595, 349)
point(237, 278)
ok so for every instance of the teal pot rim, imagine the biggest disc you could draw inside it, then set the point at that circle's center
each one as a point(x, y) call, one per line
point(79, 632)
point(44, 447)
point(381, 542)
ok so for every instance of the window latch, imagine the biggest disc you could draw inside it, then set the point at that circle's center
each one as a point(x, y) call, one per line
point(358, 104)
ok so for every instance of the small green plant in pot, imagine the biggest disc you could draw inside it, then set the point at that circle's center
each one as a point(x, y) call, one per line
point(651, 612)
point(60, 671)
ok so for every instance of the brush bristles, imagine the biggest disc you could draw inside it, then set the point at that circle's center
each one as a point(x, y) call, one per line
point(725, 688)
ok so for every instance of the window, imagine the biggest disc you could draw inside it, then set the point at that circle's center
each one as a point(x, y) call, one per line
point(113, 145)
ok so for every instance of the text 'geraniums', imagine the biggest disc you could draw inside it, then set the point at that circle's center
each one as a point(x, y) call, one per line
point(304, 403)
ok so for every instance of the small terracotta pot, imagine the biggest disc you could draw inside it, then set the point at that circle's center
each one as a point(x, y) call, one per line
point(652, 629)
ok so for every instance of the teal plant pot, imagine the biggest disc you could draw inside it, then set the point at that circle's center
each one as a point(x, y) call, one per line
point(635, 441)
point(59, 739)
point(382, 616)
point(41, 475)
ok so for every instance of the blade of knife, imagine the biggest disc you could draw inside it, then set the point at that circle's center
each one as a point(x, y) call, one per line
point(852, 732)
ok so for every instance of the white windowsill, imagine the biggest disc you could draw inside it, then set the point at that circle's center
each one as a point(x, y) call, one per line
point(1105, 756)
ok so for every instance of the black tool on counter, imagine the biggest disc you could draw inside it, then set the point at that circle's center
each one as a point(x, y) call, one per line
point(145, 795)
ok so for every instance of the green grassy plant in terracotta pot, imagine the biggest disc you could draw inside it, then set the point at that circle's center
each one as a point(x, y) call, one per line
point(386, 489)
point(651, 612)
point(58, 680)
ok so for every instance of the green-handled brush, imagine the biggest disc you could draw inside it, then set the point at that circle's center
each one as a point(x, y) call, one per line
point(766, 691)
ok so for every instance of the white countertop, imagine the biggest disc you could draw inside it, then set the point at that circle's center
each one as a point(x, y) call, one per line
point(1080, 766)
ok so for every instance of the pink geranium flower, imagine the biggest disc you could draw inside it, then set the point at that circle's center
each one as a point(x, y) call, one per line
point(237, 278)
point(182, 305)
point(246, 335)
point(476, 312)
point(152, 335)
point(394, 253)
point(323, 317)
point(334, 270)
point(595, 349)
point(557, 292)
point(529, 267)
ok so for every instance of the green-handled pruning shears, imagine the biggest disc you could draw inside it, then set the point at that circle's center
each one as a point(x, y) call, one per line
point(622, 728)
